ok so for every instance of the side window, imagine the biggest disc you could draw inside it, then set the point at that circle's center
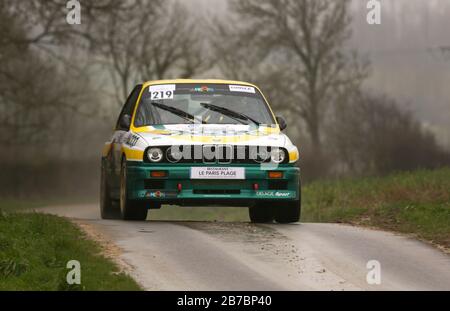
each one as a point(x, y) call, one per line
point(128, 108)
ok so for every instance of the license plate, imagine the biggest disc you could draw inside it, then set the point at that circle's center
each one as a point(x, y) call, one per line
point(217, 173)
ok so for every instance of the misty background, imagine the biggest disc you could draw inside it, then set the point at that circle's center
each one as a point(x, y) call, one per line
point(62, 86)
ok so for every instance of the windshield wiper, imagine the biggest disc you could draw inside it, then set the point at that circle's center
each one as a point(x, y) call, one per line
point(230, 113)
point(182, 114)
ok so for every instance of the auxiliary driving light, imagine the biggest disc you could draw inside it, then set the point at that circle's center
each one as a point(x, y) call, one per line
point(155, 155)
point(278, 156)
point(174, 155)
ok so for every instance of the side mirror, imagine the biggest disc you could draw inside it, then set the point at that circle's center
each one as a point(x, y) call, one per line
point(281, 122)
point(125, 122)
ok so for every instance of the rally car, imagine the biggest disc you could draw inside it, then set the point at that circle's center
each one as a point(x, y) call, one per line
point(197, 143)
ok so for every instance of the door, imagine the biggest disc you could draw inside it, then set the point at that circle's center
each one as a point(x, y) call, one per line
point(119, 138)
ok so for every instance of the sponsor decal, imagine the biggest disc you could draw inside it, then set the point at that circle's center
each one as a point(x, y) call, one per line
point(156, 194)
point(211, 131)
point(277, 194)
point(282, 194)
point(132, 140)
point(203, 89)
point(217, 173)
point(160, 194)
point(242, 89)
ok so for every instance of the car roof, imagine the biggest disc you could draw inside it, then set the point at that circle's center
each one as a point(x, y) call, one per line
point(197, 81)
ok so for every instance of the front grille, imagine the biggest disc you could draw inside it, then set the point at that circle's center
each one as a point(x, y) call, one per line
point(154, 184)
point(218, 154)
point(218, 184)
point(278, 185)
point(215, 191)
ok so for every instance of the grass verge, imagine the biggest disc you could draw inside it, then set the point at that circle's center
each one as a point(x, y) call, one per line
point(12, 205)
point(416, 203)
point(35, 249)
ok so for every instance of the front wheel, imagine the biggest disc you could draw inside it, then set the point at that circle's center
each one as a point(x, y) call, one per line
point(287, 212)
point(130, 209)
point(261, 213)
point(108, 210)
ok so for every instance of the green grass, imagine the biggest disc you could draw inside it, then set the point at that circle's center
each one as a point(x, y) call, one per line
point(35, 249)
point(14, 205)
point(413, 202)
point(8, 204)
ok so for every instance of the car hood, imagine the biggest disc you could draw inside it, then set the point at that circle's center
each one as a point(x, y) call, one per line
point(198, 134)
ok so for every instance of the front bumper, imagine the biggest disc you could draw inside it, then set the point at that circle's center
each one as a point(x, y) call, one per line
point(178, 188)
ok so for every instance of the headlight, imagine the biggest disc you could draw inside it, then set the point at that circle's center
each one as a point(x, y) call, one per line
point(174, 154)
point(155, 155)
point(259, 154)
point(263, 154)
point(278, 156)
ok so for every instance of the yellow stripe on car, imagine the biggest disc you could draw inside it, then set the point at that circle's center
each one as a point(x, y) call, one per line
point(133, 154)
point(293, 156)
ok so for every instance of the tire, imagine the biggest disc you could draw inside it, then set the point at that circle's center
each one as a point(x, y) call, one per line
point(287, 212)
point(130, 209)
point(108, 210)
point(260, 213)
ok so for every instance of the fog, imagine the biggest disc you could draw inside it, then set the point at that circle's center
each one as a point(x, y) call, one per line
point(406, 51)
point(409, 56)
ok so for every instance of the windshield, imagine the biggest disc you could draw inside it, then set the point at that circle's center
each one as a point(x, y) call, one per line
point(167, 104)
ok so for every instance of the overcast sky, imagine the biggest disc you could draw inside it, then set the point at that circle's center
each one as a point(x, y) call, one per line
point(406, 56)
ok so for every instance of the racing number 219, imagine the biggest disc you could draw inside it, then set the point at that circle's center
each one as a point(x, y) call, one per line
point(162, 95)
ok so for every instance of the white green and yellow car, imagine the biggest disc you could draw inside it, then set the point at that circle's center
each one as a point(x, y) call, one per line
point(197, 143)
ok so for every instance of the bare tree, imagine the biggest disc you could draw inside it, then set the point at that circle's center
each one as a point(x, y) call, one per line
point(174, 47)
point(39, 96)
point(237, 56)
point(370, 134)
point(151, 40)
point(116, 39)
point(43, 23)
point(38, 30)
point(307, 37)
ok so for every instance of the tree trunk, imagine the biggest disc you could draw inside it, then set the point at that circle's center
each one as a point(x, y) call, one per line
point(313, 125)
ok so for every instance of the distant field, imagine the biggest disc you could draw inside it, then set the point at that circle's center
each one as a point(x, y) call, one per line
point(35, 249)
point(416, 202)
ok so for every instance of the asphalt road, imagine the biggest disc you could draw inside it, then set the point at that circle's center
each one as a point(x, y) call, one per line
point(243, 256)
